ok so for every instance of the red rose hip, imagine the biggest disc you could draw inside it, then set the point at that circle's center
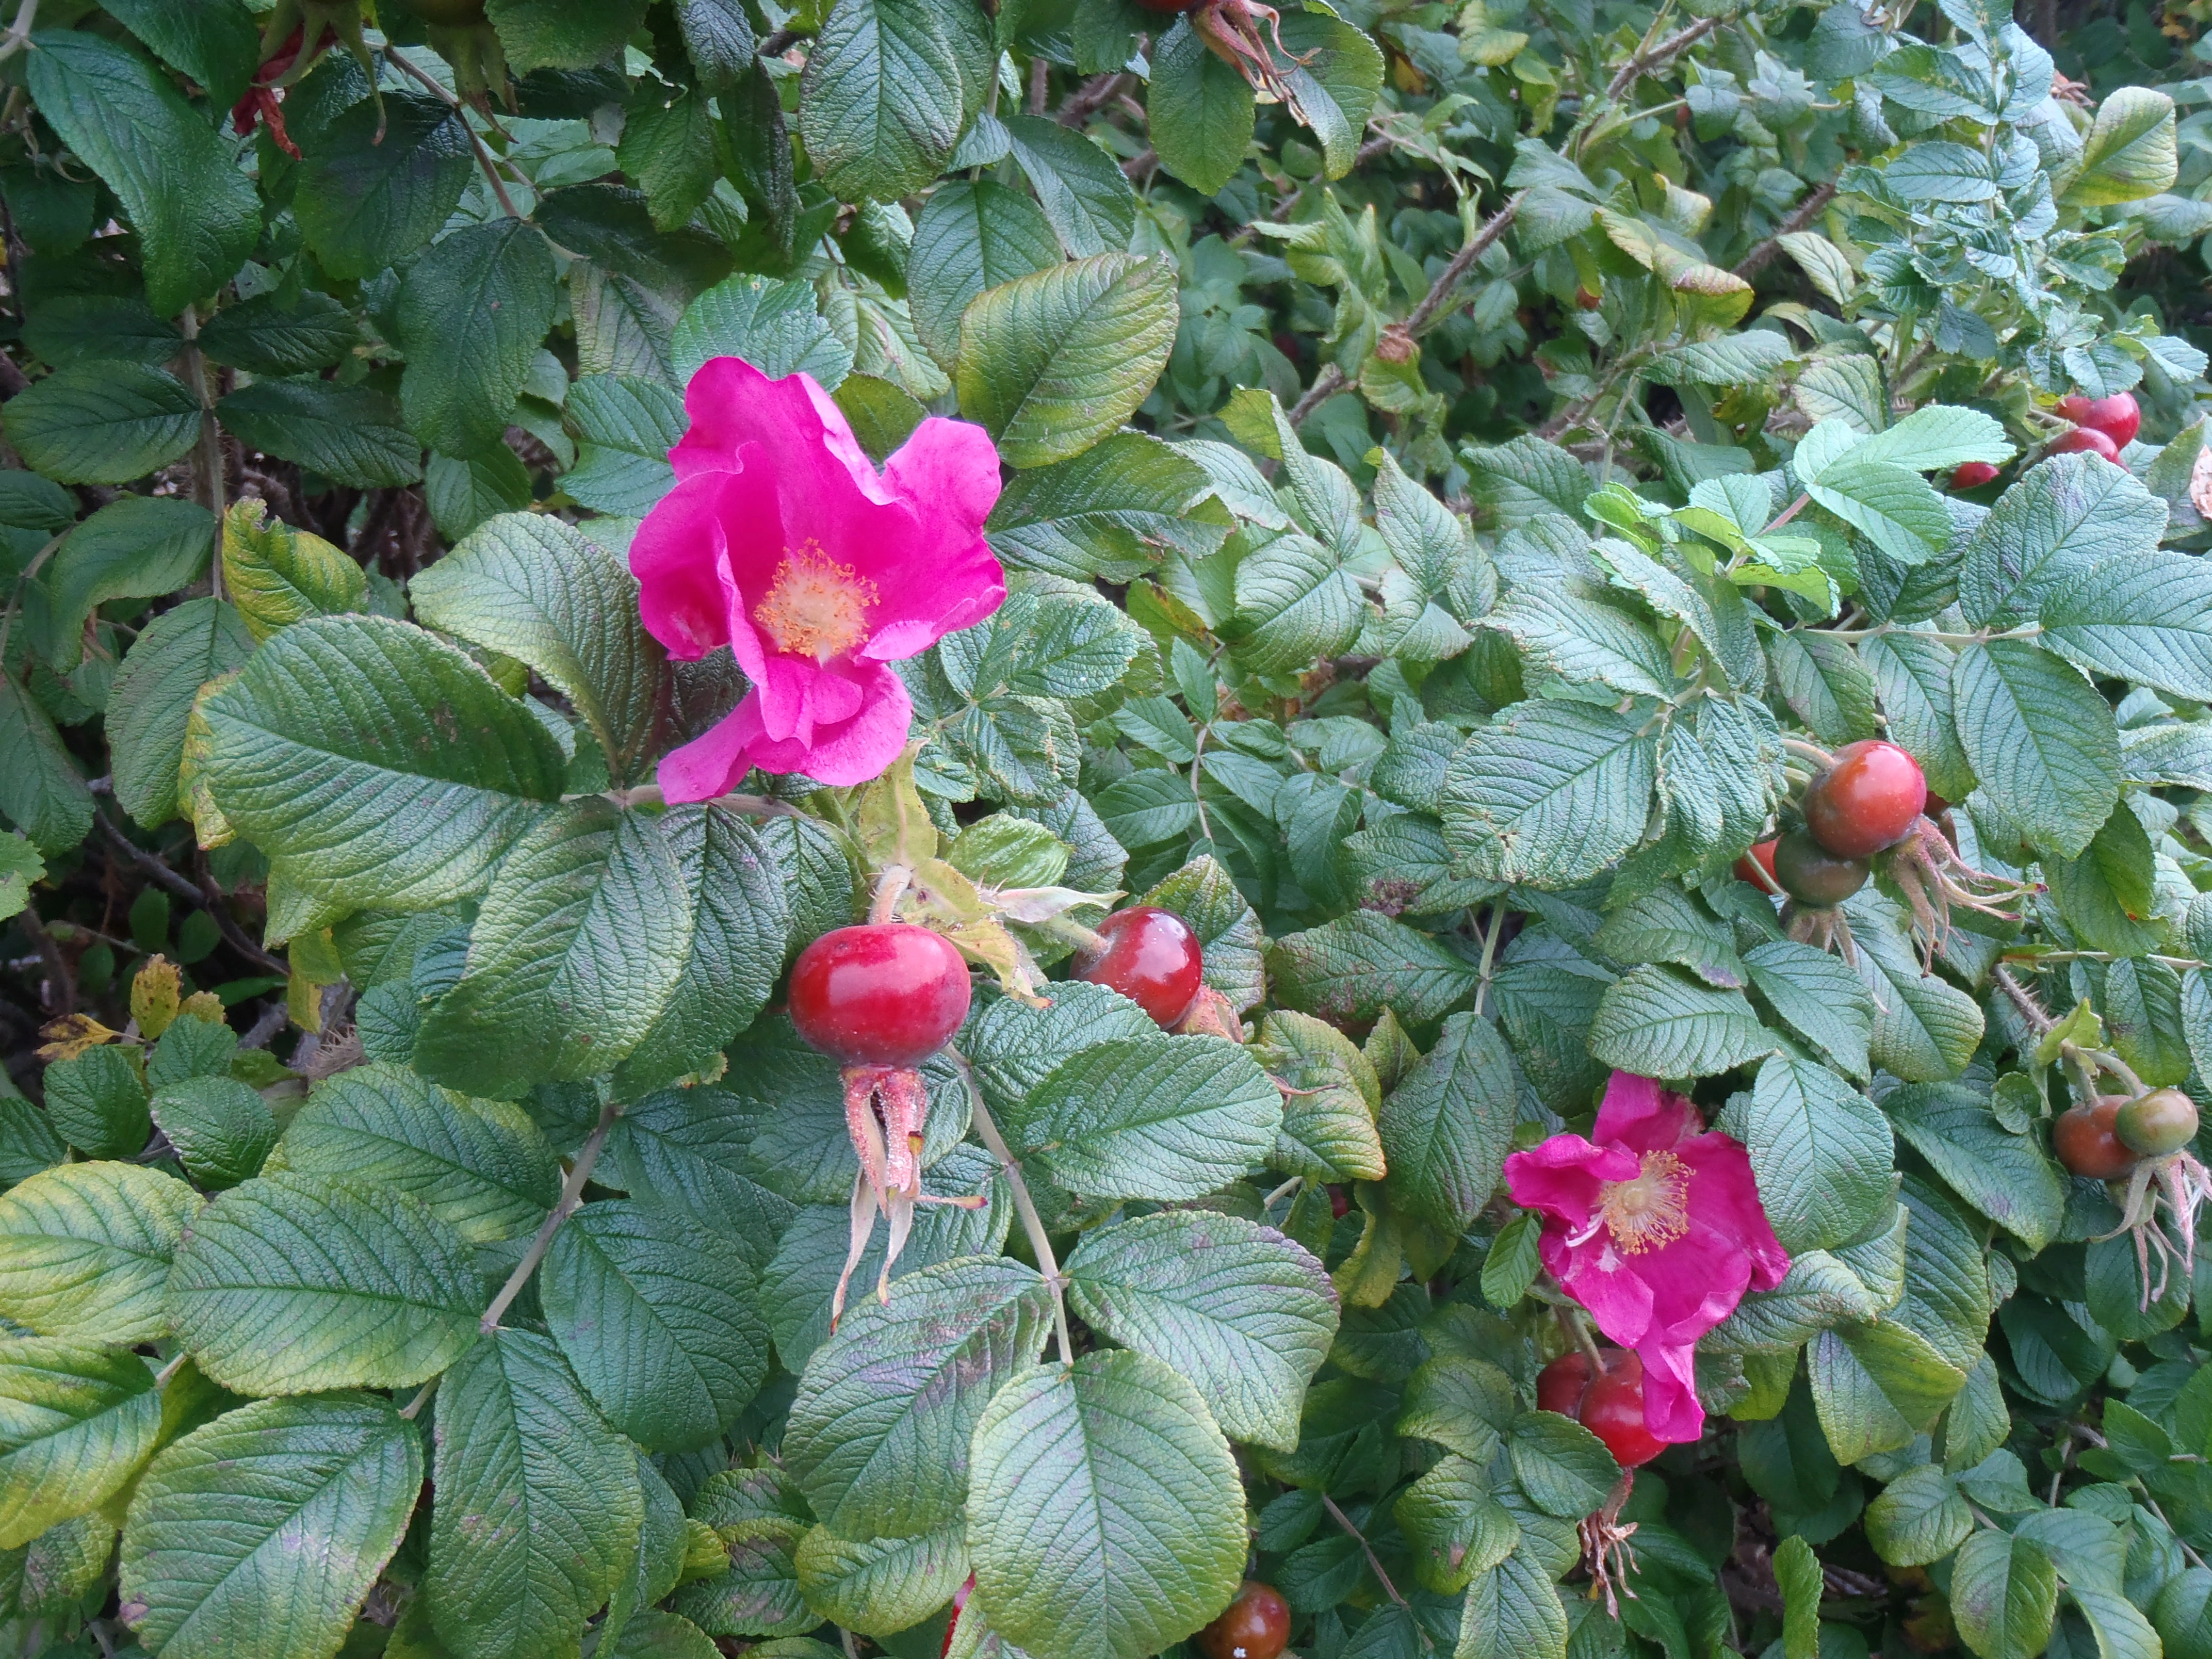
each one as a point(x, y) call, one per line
point(888, 994)
point(1972, 475)
point(1151, 956)
point(1255, 1626)
point(2118, 416)
point(1561, 1385)
point(2086, 440)
point(1613, 1410)
point(1867, 800)
point(1757, 867)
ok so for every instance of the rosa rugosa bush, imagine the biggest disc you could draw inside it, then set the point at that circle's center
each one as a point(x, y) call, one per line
point(1095, 828)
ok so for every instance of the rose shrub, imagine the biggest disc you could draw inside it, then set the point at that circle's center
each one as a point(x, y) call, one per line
point(1089, 828)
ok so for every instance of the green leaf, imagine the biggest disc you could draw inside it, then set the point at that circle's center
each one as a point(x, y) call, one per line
point(1463, 1404)
point(879, 1429)
point(1051, 362)
point(98, 1101)
point(195, 214)
point(291, 1284)
point(265, 335)
point(1107, 1518)
point(1200, 110)
point(1550, 793)
point(1447, 1127)
point(260, 1535)
point(481, 1167)
point(2146, 618)
point(1938, 437)
point(657, 1320)
point(364, 202)
point(471, 316)
point(1919, 1518)
point(2041, 739)
point(1825, 684)
point(971, 236)
point(348, 433)
point(582, 942)
point(103, 422)
point(1564, 1467)
point(1204, 894)
point(1245, 1313)
point(668, 148)
point(1935, 171)
point(1110, 512)
point(887, 87)
point(376, 764)
point(1082, 190)
point(2004, 1596)
point(138, 547)
point(1584, 641)
point(689, 1151)
point(2130, 151)
point(1660, 1022)
point(2064, 516)
point(1457, 1528)
point(462, 494)
point(881, 1585)
point(278, 575)
point(1155, 1117)
point(735, 886)
point(1797, 1570)
point(1820, 1150)
point(538, 1504)
point(215, 45)
point(1818, 997)
point(152, 698)
point(773, 324)
point(77, 1420)
point(40, 789)
point(85, 1250)
point(531, 587)
point(1295, 603)
point(563, 34)
point(1354, 968)
point(1513, 1612)
point(1925, 1030)
point(74, 326)
point(1328, 1130)
point(625, 425)
point(221, 1130)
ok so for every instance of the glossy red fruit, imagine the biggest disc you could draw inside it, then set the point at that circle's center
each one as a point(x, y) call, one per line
point(889, 994)
point(2085, 1141)
point(1867, 800)
point(1255, 1626)
point(1151, 956)
point(1812, 875)
point(1561, 1384)
point(1613, 1410)
point(1340, 1202)
point(2086, 440)
point(2164, 1121)
point(1972, 475)
point(1758, 862)
point(2118, 416)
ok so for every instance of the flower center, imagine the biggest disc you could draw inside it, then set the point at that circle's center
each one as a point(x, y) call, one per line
point(1650, 1210)
point(816, 607)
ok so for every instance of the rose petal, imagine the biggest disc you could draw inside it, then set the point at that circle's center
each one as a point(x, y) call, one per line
point(741, 420)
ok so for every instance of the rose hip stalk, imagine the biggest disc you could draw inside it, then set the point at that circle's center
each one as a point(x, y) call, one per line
point(881, 998)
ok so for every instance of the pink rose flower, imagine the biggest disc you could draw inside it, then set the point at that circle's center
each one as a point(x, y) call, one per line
point(1655, 1226)
point(781, 541)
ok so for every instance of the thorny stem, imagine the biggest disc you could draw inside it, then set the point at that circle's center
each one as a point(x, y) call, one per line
point(483, 154)
point(1489, 955)
point(1806, 211)
point(572, 1197)
point(1025, 1206)
point(2030, 1010)
point(890, 888)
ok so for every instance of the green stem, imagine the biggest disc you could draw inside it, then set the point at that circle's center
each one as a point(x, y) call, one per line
point(1025, 1206)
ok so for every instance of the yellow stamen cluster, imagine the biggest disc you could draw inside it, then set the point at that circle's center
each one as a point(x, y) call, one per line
point(1650, 1210)
point(816, 607)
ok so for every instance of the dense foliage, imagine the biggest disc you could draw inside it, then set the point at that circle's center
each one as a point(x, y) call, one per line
point(1466, 471)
